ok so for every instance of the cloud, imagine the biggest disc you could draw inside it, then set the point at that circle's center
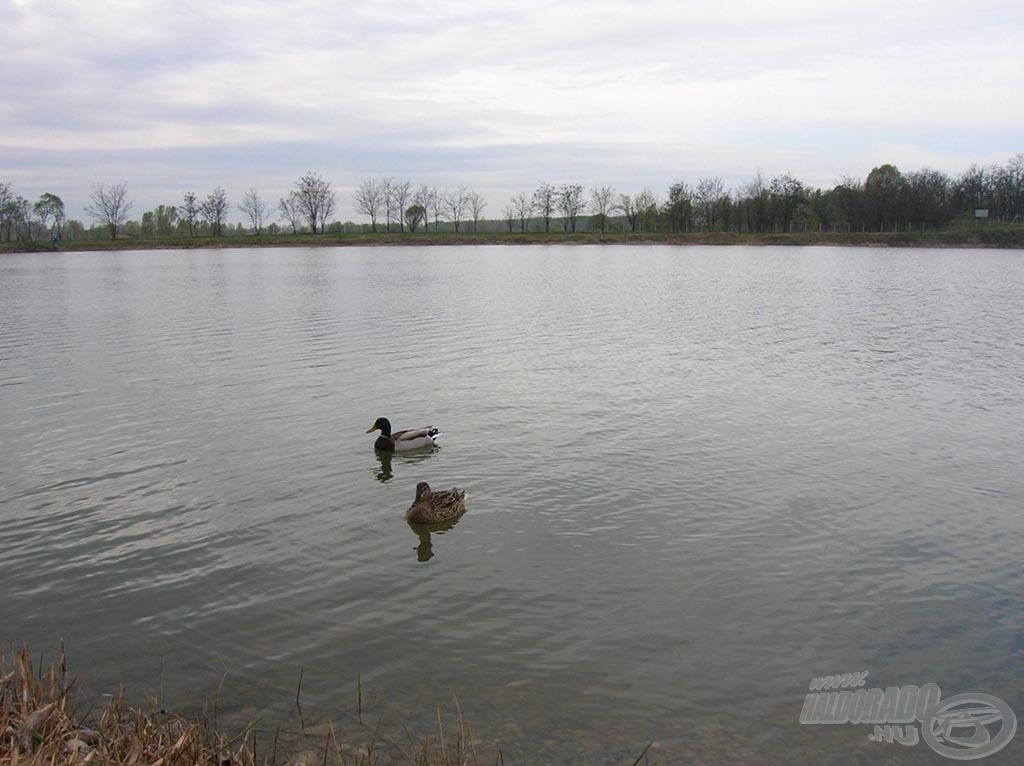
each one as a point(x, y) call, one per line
point(496, 95)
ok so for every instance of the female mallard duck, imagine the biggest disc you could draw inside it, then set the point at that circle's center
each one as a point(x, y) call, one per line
point(431, 507)
point(412, 438)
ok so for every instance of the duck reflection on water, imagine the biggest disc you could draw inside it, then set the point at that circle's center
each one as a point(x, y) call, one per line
point(425, 548)
point(384, 471)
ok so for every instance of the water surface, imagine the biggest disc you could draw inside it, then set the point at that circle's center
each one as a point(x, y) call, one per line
point(698, 478)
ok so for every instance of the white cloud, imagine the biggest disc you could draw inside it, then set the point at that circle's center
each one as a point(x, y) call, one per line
point(646, 91)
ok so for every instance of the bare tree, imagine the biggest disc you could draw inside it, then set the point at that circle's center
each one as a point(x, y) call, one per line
point(787, 195)
point(215, 210)
point(401, 191)
point(424, 198)
point(706, 199)
point(570, 203)
point(627, 207)
point(368, 199)
point(601, 203)
point(255, 209)
point(455, 206)
point(388, 200)
point(437, 205)
point(109, 206)
point(757, 206)
point(509, 213)
point(1008, 186)
point(315, 200)
point(646, 210)
point(523, 208)
point(544, 203)
point(291, 211)
point(476, 203)
point(189, 212)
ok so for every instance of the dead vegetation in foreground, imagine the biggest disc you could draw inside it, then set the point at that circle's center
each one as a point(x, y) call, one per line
point(41, 725)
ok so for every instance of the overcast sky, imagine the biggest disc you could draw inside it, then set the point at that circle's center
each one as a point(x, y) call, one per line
point(497, 96)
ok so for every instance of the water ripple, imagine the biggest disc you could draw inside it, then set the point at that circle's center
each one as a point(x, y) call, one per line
point(687, 468)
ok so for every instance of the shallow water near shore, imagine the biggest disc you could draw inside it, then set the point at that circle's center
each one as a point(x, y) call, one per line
point(698, 478)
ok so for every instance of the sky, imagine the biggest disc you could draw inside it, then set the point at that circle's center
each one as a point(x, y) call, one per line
point(169, 97)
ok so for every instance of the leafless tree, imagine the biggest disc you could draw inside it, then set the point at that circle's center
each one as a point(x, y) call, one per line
point(424, 198)
point(189, 212)
point(570, 203)
point(215, 209)
point(437, 206)
point(368, 199)
point(509, 213)
point(455, 206)
point(291, 211)
point(706, 199)
point(109, 206)
point(476, 203)
point(602, 201)
point(388, 202)
point(255, 210)
point(626, 205)
point(544, 203)
point(315, 200)
point(401, 192)
point(758, 202)
point(523, 208)
point(647, 210)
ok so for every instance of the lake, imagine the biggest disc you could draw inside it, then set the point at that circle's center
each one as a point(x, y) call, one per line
point(698, 478)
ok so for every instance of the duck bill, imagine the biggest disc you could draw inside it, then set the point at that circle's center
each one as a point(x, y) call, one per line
point(371, 429)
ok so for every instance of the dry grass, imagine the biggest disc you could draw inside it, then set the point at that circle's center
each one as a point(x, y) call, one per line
point(41, 726)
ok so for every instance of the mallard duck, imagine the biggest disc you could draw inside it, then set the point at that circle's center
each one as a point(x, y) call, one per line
point(431, 507)
point(412, 438)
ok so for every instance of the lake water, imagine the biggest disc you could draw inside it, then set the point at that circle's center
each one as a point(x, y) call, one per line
point(698, 478)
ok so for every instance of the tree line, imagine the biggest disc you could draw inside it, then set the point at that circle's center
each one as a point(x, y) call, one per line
point(886, 200)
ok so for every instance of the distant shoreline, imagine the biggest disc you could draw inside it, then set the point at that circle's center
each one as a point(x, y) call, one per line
point(1009, 237)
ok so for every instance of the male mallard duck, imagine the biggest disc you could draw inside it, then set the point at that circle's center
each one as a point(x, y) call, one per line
point(412, 438)
point(431, 507)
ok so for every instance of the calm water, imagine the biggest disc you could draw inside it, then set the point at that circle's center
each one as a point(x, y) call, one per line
point(698, 478)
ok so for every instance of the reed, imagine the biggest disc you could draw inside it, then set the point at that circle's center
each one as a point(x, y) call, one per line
point(41, 725)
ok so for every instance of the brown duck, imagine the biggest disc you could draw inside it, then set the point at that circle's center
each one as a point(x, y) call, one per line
point(431, 507)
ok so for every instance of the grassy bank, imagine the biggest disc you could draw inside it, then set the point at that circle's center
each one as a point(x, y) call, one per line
point(988, 236)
